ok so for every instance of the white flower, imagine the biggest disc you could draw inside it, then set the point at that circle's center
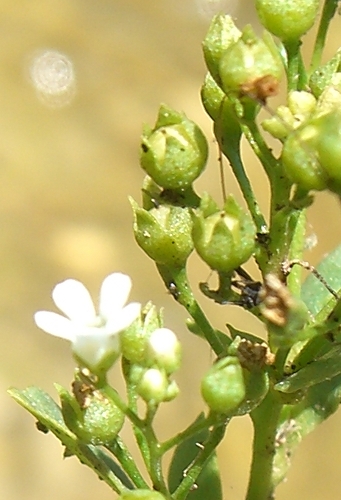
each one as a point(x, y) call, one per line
point(94, 337)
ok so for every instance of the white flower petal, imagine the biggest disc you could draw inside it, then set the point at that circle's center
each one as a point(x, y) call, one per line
point(56, 325)
point(74, 300)
point(124, 318)
point(114, 294)
point(93, 348)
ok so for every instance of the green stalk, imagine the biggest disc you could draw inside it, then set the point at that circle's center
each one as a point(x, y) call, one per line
point(185, 297)
point(203, 456)
point(196, 427)
point(265, 420)
point(296, 74)
point(121, 452)
point(328, 13)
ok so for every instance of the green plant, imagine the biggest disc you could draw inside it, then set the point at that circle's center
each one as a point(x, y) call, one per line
point(287, 384)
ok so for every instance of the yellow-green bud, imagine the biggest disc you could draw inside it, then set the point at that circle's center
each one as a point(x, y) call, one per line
point(164, 233)
point(153, 386)
point(287, 19)
point(225, 239)
point(175, 152)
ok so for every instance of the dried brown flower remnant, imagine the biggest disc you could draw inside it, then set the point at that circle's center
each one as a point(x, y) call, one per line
point(254, 355)
point(276, 300)
point(261, 88)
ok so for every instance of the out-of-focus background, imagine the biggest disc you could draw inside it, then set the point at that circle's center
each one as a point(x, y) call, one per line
point(68, 161)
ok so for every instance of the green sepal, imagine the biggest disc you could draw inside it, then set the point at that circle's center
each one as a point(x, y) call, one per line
point(208, 482)
point(244, 335)
point(221, 34)
point(49, 414)
point(212, 97)
point(322, 76)
point(134, 339)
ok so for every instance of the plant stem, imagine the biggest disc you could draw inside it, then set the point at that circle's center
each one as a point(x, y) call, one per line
point(193, 472)
point(295, 70)
point(193, 429)
point(328, 12)
point(265, 421)
point(185, 297)
point(121, 452)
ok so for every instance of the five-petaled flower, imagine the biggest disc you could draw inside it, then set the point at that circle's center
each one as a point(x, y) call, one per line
point(95, 339)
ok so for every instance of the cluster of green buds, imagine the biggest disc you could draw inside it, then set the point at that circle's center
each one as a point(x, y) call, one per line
point(151, 355)
point(174, 220)
point(241, 63)
point(310, 128)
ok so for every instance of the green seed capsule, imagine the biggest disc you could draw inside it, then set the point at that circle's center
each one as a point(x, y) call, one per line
point(223, 386)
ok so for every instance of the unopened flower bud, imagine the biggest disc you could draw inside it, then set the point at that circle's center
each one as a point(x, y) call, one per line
point(223, 387)
point(91, 414)
point(164, 233)
point(300, 108)
point(225, 239)
point(153, 386)
point(221, 34)
point(164, 350)
point(287, 19)
point(175, 152)
point(249, 62)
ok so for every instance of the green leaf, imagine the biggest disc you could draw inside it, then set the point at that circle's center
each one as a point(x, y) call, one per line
point(324, 368)
point(49, 415)
point(208, 482)
point(315, 295)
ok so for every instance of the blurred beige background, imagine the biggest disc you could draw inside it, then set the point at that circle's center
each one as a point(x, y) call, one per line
point(65, 176)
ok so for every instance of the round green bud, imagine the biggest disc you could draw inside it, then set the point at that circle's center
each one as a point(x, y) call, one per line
point(287, 19)
point(249, 64)
point(141, 495)
point(91, 414)
point(164, 233)
point(175, 152)
point(224, 239)
point(153, 385)
point(329, 147)
point(223, 387)
point(300, 160)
